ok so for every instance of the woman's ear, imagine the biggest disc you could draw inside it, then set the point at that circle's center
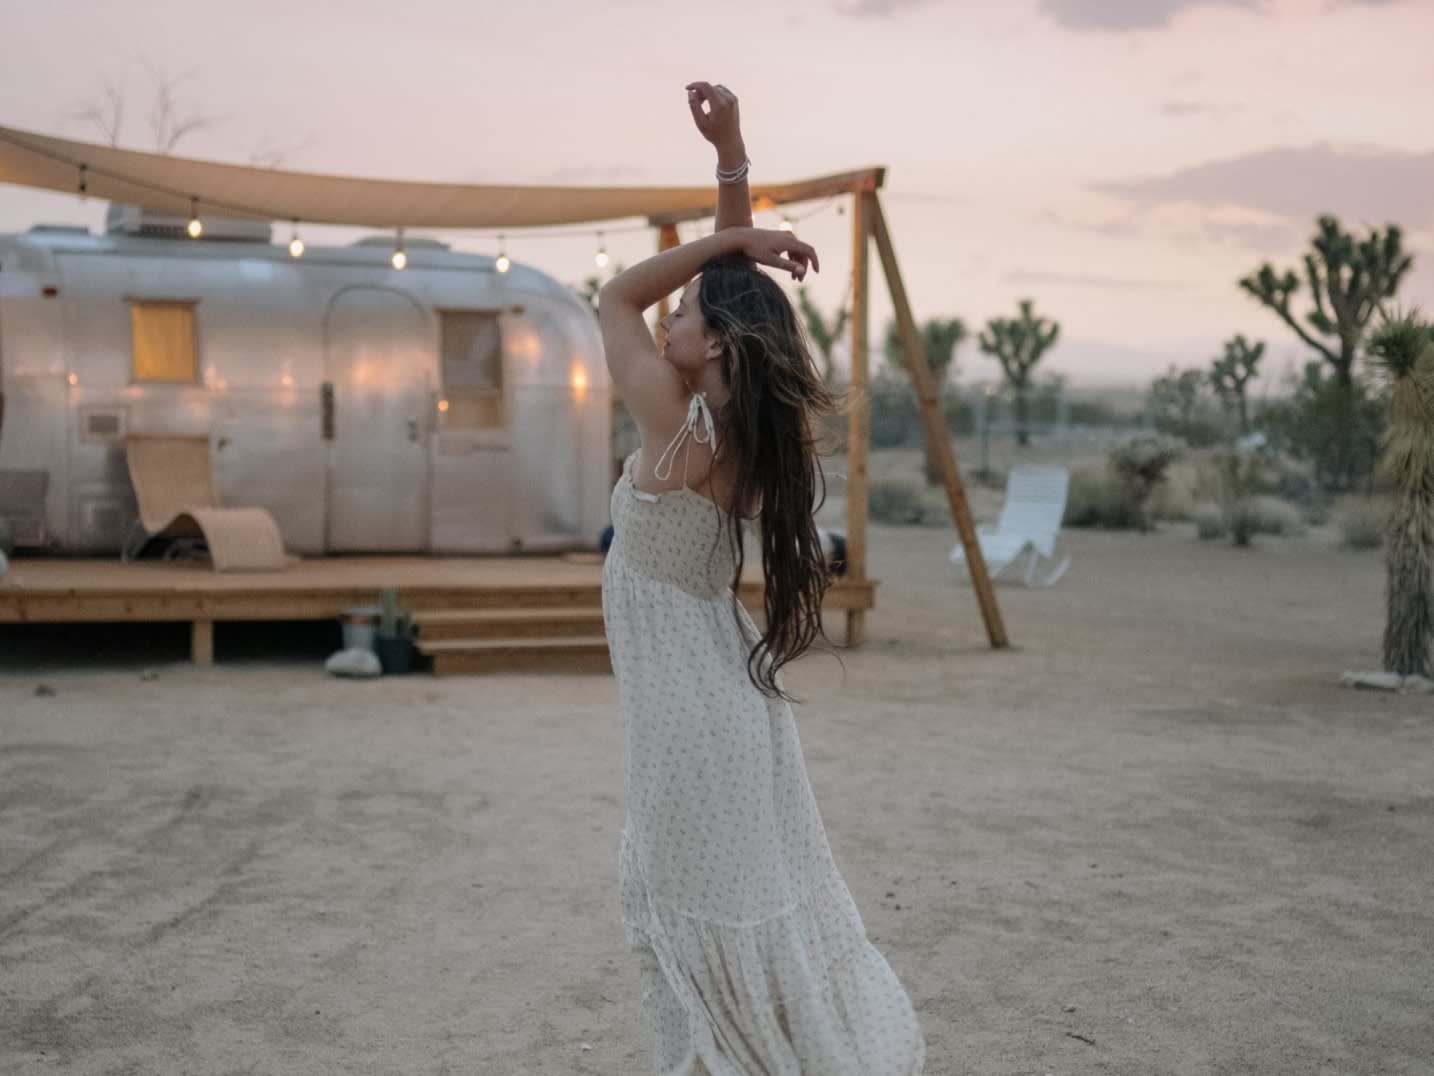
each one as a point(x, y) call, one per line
point(714, 346)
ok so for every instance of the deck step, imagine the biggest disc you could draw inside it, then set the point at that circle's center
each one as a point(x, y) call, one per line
point(534, 623)
point(560, 653)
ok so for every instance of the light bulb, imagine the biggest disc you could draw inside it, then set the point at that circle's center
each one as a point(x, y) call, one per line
point(296, 245)
point(196, 226)
point(399, 259)
point(601, 256)
point(503, 264)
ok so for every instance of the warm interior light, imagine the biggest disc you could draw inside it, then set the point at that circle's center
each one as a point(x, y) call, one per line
point(73, 379)
point(579, 380)
point(287, 381)
point(443, 405)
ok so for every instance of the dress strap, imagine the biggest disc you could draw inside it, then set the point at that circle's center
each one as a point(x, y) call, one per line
point(697, 412)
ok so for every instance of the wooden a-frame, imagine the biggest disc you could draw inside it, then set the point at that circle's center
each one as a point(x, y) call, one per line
point(869, 223)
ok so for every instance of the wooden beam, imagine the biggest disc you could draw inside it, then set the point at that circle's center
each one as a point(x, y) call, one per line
point(771, 195)
point(859, 412)
point(936, 434)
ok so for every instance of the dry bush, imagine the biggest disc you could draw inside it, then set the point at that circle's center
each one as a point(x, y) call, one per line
point(1362, 521)
point(1275, 516)
point(1209, 520)
point(1097, 498)
point(897, 501)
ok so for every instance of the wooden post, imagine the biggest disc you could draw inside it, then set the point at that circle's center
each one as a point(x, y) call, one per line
point(858, 414)
point(201, 642)
point(936, 434)
point(666, 240)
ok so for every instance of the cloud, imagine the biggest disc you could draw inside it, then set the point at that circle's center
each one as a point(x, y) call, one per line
point(1091, 280)
point(1213, 109)
point(1365, 185)
point(879, 9)
point(1122, 15)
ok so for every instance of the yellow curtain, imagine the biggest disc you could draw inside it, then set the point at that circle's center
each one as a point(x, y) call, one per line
point(164, 342)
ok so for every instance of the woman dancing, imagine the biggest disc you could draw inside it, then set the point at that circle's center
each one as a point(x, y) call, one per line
point(753, 956)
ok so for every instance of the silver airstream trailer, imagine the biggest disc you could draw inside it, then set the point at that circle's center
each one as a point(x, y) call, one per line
point(444, 407)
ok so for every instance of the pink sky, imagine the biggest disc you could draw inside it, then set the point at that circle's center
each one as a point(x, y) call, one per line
point(1122, 162)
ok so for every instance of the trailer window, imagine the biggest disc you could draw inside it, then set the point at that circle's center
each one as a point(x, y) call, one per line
point(472, 371)
point(163, 335)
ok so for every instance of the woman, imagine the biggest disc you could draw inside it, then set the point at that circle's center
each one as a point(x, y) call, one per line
point(753, 957)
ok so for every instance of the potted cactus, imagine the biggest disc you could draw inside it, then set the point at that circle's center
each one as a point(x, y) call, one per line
point(393, 643)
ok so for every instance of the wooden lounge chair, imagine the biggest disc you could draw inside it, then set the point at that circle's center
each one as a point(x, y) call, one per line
point(1024, 539)
point(175, 490)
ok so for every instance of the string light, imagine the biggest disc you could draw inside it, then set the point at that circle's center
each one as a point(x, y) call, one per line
point(504, 263)
point(786, 224)
point(399, 259)
point(601, 257)
point(196, 226)
point(296, 245)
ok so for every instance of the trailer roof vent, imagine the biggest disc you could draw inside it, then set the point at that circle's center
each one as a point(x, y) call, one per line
point(58, 229)
point(153, 224)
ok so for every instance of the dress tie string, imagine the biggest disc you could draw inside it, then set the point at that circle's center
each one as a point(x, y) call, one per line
point(697, 411)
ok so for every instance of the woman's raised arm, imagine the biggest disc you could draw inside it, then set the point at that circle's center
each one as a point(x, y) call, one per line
point(720, 123)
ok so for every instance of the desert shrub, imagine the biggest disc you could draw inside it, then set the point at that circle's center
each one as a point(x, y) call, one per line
point(897, 501)
point(1334, 428)
point(1210, 520)
point(1098, 498)
point(1361, 522)
point(1276, 517)
point(1140, 464)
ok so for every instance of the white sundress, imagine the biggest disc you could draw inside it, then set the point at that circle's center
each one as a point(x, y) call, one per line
point(753, 957)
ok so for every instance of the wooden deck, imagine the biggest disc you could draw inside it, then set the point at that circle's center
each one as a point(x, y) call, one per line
point(69, 590)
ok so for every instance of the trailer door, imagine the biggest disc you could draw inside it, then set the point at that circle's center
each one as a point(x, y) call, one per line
point(374, 412)
point(472, 451)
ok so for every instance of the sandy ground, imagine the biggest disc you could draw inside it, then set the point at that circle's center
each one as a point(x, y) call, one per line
point(1153, 838)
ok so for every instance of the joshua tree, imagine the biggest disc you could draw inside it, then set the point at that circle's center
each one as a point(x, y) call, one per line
point(1230, 373)
point(1018, 345)
point(1405, 347)
point(940, 338)
point(1349, 280)
point(823, 335)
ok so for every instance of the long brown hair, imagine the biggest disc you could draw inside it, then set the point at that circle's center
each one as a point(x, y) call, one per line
point(776, 397)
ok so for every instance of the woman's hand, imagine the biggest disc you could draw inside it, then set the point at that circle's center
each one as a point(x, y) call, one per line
point(779, 249)
point(721, 125)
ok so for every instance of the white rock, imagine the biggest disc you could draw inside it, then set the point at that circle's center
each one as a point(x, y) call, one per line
point(355, 662)
point(1388, 681)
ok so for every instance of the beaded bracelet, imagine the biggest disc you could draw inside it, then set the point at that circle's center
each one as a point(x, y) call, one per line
point(737, 174)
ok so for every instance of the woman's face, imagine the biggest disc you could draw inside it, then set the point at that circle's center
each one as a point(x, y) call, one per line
point(688, 345)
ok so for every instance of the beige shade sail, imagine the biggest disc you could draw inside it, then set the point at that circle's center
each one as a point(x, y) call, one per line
point(175, 184)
